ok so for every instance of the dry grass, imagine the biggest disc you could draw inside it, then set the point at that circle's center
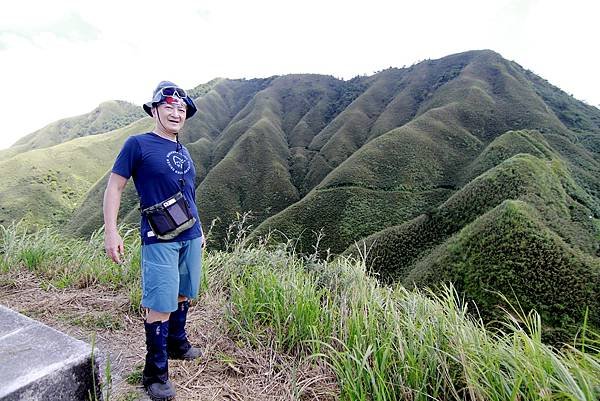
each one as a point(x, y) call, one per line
point(229, 370)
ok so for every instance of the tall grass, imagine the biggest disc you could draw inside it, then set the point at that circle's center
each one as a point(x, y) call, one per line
point(391, 343)
point(64, 262)
point(382, 342)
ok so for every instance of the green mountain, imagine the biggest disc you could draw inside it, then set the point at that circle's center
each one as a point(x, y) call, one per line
point(57, 175)
point(510, 250)
point(462, 103)
point(523, 219)
point(45, 186)
point(409, 164)
point(106, 117)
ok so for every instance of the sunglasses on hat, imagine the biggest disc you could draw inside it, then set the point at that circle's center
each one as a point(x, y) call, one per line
point(170, 91)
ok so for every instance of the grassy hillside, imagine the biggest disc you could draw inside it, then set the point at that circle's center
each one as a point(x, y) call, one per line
point(217, 106)
point(392, 179)
point(407, 158)
point(45, 186)
point(561, 237)
point(320, 330)
point(510, 251)
point(578, 116)
point(506, 146)
point(352, 213)
point(541, 183)
point(412, 135)
point(88, 216)
point(259, 159)
point(440, 115)
point(108, 116)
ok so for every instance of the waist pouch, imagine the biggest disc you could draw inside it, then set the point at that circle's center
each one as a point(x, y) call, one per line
point(170, 217)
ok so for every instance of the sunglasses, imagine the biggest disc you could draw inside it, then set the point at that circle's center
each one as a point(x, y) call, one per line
point(172, 91)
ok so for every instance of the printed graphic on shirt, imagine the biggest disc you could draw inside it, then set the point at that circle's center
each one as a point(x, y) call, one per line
point(178, 162)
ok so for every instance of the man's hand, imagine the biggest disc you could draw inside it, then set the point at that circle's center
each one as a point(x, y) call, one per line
point(113, 243)
point(203, 242)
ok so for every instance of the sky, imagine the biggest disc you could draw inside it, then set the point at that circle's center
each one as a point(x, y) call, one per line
point(62, 58)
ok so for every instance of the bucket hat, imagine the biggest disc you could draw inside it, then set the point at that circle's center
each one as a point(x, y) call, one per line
point(168, 88)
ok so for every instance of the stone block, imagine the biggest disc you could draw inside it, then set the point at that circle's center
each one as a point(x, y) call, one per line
point(39, 363)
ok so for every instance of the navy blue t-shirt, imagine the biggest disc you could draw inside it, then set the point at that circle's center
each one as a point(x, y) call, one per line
point(156, 168)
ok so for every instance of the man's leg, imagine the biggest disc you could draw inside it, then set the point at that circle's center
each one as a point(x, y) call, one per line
point(155, 378)
point(190, 268)
point(160, 282)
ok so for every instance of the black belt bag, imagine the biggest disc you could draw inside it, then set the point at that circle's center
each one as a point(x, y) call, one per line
point(170, 217)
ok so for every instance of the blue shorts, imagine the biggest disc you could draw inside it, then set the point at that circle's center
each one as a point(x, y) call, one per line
point(170, 269)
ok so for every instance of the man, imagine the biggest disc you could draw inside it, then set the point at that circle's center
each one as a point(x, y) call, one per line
point(172, 237)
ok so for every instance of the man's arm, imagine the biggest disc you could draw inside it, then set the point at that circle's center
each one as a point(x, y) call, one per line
point(113, 243)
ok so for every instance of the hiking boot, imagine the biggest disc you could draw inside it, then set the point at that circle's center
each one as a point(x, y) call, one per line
point(161, 391)
point(178, 346)
point(189, 355)
point(155, 377)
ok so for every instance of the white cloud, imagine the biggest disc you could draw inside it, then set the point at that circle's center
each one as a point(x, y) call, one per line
point(72, 55)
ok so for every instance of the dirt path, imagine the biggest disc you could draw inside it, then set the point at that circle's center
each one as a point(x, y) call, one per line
point(228, 370)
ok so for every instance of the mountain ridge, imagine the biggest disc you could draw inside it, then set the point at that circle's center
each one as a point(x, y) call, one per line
point(374, 156)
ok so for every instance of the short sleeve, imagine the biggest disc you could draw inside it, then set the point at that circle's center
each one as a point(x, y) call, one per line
point(128, 158)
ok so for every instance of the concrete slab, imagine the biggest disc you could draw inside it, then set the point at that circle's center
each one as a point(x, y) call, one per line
point(39, 363)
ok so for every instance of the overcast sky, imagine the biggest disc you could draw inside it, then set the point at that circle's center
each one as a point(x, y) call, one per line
point(62, 58)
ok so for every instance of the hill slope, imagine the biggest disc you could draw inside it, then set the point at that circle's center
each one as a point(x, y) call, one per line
point(411, 160)
point(510, 251)
point(106, 117)
point(522, 219)
point(305, 152)
point(469, 100)
point(45, 186)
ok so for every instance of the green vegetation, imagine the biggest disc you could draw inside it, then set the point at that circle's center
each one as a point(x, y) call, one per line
point(88, 217)
point(510, 251)
point(507, 145)
point(390, 343)
point(108, 116)
point(351, 212)
point(525, 258)
point(203, 89)
point(428, 128)
point(131, 396)
point(266, 145)
point(412, 161)
point(135, 377)
point(251, 157)
point(382, 343)
point(45, 186)
point(72, 263)
point(576, 115)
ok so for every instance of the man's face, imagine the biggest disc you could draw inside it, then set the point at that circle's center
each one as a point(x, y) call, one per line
point(172, 114)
